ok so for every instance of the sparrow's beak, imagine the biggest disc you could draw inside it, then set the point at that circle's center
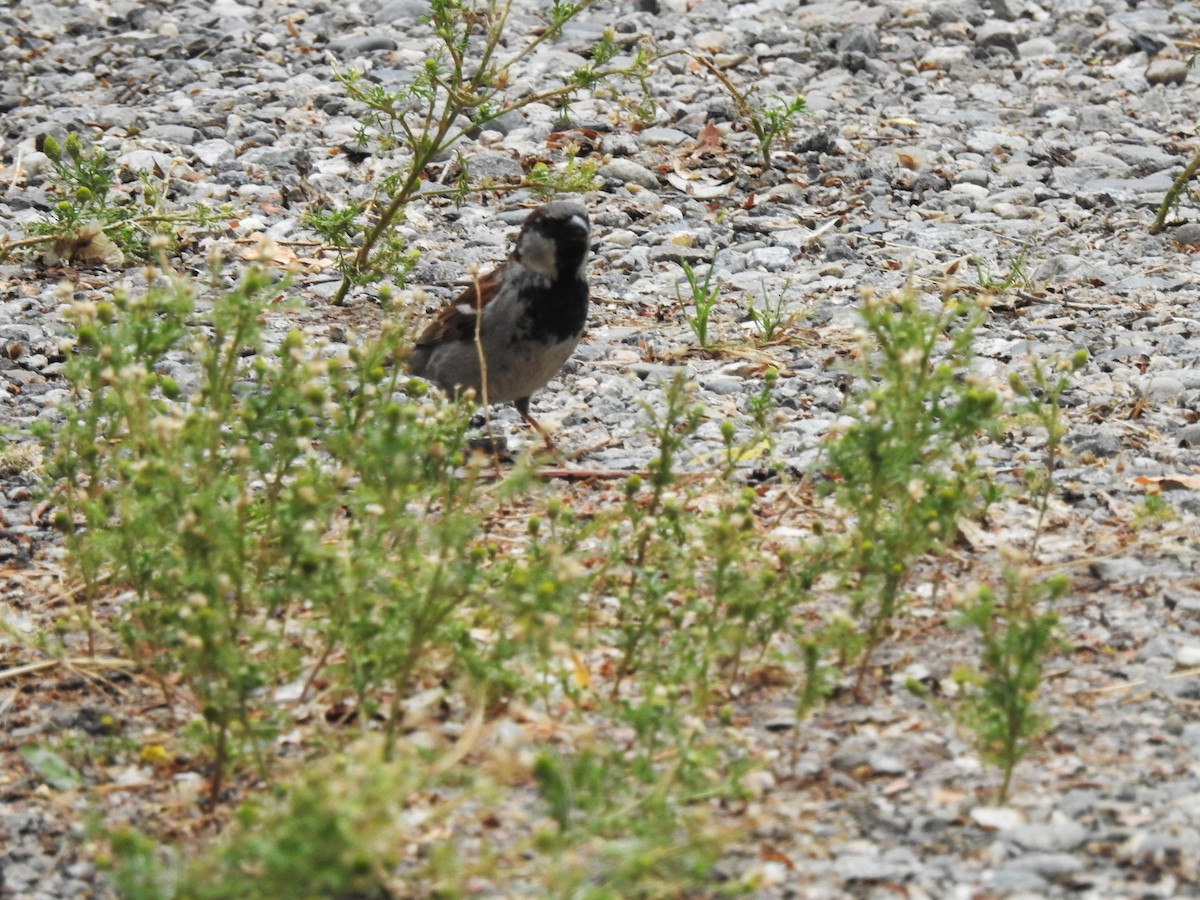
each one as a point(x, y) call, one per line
point(578, 224)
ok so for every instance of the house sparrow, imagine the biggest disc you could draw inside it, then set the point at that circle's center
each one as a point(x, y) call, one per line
point(534, 307)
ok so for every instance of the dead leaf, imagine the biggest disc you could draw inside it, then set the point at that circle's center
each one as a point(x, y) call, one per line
point(583, 140)
point(267, 252)
point(700, 189)
point(708, 141)
point(88, 245)
point(897, 787)
point(1158, 483)
point(770, 854)
point(583, 678)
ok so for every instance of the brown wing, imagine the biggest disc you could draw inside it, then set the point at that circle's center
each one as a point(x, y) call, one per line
point(456, 322)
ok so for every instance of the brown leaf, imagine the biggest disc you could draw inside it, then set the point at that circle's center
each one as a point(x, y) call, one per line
point(708, 141)
point(585, 140)
point(1158, 483)
point(770, 854)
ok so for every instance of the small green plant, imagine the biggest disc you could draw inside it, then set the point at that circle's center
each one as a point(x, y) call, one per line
point(1041, 394)
point(1015, 277)
point(574, 176)
point(696, 589)
point(704, 298)
point(770, 317)
point(621, 836)
point(769, 121)
point(92, 224)
point(1015, 636)
point(761, 408)
point(334, 830)
point(340, 227)
point(899, 467)
point(131, 456)
point(650, 527)
point(78, 227)
point(1153, 510)
point(464, 84)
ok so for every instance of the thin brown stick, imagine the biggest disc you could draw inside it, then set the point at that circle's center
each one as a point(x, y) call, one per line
point(82, 663)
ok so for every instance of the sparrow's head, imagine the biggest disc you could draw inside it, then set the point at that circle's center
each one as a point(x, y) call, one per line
point(554, 240)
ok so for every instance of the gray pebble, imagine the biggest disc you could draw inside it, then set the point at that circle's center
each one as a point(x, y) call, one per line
point(1010, 881)
point(213, 152)
point(628, 172)
point(490, 166)
point(773, 259)
point(1190, 735)
point(1050, 866)
point(1162, 389)
point(147, 161)
point(673, 253)
point(859, 867)
point(352, 47)
point(724, 386)
point(1048, 837)
point(860, 39)
point(1189, 435)
point(1120, 569)
point(1167, 71)
point(886, 764)
point(1188, 234)
point(997, 34)
point(659, 136)
point(1008, 10)
point(174, 134)
point(1050, 163)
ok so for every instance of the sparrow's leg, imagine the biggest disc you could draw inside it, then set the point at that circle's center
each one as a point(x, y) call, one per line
point(522, 406)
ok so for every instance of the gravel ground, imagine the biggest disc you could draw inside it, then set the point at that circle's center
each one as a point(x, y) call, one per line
point(972, 133)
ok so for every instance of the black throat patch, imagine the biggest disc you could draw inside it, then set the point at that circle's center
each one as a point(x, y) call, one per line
point(558, 311)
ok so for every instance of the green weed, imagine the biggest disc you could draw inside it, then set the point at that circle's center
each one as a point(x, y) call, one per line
point(901, 467)
point(1040, 393)
point(704, 298)
point(575, 176)
point(91, 223)
point(770, 316)
point(1179, 187)
point(1015, 277)
point(1153, 510)
point(768, 121)
point(281, 486)
point(1016, 636)
point(619, 837)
